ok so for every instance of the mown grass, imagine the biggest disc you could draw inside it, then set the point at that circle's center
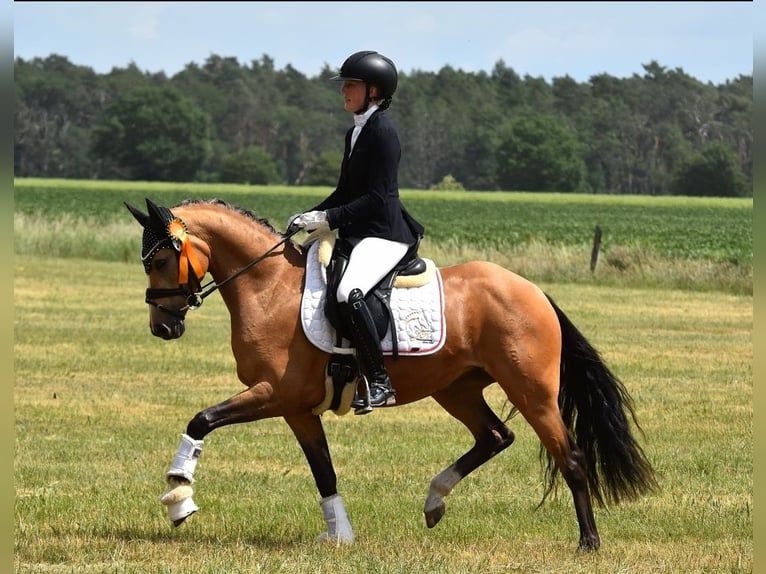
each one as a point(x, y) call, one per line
point(663, 242)
point(100, 404)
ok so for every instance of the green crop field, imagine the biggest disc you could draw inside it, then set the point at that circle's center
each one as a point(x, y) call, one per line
point(691, 243)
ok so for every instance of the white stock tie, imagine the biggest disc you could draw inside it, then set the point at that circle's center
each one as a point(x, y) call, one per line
point(359, 121)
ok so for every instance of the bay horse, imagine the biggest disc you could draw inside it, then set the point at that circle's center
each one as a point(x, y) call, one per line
point(500, 328)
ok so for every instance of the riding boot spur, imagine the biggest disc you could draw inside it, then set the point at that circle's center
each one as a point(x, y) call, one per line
point(369, 353)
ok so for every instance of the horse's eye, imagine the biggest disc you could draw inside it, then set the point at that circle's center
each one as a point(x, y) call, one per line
point(160, 264)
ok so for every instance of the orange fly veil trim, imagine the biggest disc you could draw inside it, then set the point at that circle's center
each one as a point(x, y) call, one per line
point(177, 231)
point(179, 234)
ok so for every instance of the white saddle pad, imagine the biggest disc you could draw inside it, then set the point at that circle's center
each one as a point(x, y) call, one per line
point(418, 313)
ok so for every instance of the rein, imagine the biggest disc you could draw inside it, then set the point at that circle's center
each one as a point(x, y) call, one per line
point(194, 299)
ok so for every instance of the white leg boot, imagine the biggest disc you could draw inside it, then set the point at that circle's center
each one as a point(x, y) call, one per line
point(180, 477)
point(338, 526)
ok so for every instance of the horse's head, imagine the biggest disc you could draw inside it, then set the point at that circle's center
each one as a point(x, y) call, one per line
point(174, 267)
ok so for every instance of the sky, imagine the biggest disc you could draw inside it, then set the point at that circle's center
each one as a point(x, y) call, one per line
point(710, 41)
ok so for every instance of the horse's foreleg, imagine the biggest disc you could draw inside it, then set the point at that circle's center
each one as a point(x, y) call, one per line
point(310, 434)
point(467, 405)
point(180, 476)
point(243, 407)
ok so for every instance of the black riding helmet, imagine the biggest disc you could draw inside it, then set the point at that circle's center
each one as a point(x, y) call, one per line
point(371, 67)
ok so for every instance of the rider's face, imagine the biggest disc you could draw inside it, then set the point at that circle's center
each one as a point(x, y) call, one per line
point(354, 94)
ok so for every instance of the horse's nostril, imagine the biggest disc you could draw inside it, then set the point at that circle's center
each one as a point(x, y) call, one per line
point(161, 330)
point(167, 332)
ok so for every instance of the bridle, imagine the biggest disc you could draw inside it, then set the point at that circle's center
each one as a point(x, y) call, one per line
point(195, 296)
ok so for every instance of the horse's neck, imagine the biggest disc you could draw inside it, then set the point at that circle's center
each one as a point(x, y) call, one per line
point(235, 241)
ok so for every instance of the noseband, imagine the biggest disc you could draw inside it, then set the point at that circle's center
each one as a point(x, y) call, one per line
point(195, 297)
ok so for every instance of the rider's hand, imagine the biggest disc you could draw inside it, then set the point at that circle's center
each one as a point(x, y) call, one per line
point(312, 221)
point(292, 222)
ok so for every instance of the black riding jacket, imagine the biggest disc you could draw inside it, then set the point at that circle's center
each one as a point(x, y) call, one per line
point(366, 201)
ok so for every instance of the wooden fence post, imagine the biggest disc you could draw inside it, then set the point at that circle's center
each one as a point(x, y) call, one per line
point(596, 248)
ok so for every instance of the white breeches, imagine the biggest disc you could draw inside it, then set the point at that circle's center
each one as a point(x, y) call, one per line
point(370, 260)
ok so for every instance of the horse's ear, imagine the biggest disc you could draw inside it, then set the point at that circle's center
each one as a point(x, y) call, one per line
point(154, 210)
point(141, 217)
point(158, 215)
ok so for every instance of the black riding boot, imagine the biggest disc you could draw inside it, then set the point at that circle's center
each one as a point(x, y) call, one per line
point(369, 352)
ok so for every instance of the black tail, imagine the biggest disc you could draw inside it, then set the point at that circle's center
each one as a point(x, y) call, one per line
point(595, 406)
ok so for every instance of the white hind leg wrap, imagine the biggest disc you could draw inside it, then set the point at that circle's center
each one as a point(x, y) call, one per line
point(338, 526)
point(185, 460)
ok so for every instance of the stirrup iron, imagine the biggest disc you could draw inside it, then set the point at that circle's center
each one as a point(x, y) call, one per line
point(361, 403)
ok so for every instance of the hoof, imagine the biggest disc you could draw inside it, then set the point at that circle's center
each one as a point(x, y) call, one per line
point(180, 511)
point(588, 545)
point(434, 515)
point(179, 521)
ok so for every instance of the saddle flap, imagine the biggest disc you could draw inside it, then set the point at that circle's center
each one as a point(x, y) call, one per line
point(418, 312)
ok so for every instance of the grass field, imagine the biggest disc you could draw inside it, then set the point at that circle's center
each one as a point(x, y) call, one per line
point(100, 404)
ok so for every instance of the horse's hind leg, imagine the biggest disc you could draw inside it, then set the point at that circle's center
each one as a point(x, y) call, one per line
point(464, 401)
point(570, 460)
point(538, 402)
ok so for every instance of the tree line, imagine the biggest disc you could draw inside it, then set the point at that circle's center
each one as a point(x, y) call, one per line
point(659, 133)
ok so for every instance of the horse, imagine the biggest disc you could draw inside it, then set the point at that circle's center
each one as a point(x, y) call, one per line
point(500, 328)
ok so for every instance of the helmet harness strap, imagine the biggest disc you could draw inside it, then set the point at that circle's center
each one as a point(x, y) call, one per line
point(367, 100)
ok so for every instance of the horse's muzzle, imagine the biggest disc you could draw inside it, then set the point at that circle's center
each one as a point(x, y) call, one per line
point(167, 329)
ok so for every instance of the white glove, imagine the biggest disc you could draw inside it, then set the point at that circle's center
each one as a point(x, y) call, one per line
point(312, 221)
point(293, 220)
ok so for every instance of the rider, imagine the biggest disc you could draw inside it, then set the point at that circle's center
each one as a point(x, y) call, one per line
point(365, 206)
